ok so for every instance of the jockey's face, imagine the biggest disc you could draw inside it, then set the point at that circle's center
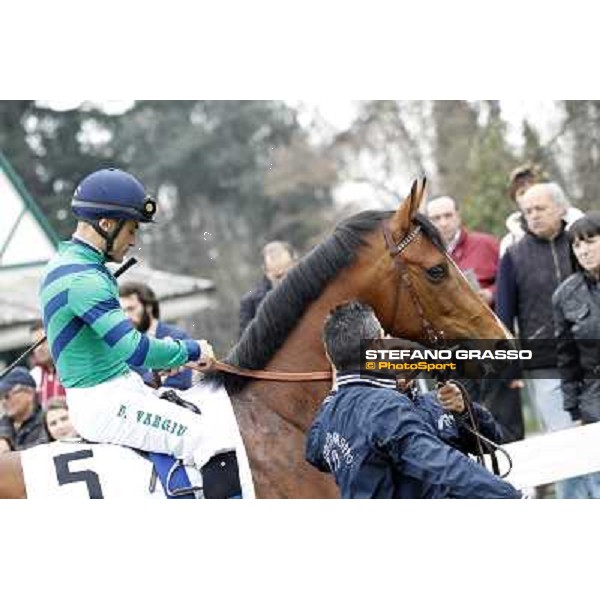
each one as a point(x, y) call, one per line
point(58, 424)
point(125, 240)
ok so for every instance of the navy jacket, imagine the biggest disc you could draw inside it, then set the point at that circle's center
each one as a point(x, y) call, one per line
point(181, 381)
point(529, 273)
point(378, 443)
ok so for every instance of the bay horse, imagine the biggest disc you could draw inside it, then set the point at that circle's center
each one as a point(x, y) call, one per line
point(394, 261)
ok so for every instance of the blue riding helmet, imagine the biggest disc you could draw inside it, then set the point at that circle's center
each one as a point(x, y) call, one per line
point(114, 194)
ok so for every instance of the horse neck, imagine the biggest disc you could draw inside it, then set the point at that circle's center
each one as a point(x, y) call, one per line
point(297, 402)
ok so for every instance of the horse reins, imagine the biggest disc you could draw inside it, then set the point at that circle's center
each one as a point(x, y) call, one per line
point(273, 375)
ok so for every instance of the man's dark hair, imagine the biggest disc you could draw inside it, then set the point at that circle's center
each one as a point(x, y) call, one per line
point(343, 331)
point(144, 293)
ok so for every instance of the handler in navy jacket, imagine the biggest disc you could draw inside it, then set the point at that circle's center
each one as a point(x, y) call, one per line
point(379, 443)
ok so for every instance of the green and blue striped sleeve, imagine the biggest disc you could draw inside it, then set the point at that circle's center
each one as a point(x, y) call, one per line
point(93, 299)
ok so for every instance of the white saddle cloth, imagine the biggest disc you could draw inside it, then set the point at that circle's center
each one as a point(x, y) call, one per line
point(79, 470)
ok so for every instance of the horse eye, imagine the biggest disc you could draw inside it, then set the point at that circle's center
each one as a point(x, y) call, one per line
point(437, 273)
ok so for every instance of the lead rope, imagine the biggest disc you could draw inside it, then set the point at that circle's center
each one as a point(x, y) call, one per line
point(492, 447)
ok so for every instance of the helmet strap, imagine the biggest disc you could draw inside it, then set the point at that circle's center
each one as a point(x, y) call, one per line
point(108, 236)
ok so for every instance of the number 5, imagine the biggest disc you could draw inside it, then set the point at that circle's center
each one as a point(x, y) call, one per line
point(64, 475)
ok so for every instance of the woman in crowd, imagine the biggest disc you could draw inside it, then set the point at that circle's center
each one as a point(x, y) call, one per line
point(57, 421)
point(576, 304)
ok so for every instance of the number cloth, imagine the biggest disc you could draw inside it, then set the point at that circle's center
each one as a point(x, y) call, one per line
point(64, 470)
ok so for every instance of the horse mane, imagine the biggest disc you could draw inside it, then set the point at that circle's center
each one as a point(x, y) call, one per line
point(283, 307)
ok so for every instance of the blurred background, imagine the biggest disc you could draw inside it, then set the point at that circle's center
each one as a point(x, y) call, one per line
point(233, 175)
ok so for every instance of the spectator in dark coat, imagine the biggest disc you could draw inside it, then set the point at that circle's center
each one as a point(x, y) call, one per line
point(529, 273)
point(140, 304)
point(379, 443)
point(278, 259)
point(22, 425)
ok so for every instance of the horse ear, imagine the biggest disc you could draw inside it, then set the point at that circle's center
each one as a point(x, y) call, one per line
point(407, 210)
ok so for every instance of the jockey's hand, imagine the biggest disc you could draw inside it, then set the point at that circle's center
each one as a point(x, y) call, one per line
point(4, 446)
point(206, 362)
point(451, 398)
point(171, 372)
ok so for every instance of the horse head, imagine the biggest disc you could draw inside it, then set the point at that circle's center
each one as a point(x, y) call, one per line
point(416, 289)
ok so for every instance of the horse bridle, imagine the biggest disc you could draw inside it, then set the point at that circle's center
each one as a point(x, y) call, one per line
point(435, 337)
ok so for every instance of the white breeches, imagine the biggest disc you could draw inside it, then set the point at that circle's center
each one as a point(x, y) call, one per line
point(125, 411)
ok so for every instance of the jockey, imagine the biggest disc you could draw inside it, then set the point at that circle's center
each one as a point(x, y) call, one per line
point(93, 343)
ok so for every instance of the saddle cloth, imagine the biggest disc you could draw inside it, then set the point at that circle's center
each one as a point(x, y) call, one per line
point(82, 470)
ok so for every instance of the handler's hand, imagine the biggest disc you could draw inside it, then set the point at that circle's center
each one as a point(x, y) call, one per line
point(516, 384)
point(451, 398)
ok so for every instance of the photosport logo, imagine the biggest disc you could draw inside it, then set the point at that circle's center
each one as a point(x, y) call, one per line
point(464, 359)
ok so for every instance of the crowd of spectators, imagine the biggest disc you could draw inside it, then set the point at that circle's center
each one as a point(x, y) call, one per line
point(542, 281)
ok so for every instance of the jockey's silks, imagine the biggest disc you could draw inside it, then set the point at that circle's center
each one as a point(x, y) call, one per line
point(90, 338)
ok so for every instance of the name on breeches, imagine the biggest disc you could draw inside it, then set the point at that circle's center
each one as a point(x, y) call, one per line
point(156, 421)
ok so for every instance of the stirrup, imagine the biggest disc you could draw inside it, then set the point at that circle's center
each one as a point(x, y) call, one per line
point(183, 490)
